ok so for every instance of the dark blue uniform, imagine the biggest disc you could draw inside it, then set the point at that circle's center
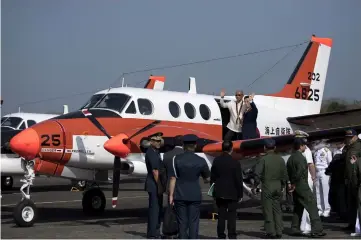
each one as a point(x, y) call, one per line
point(153, 162)
point(188, 167)
point(249, 127)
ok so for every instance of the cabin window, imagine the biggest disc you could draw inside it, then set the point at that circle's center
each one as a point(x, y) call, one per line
point(189, 110)
point(12, 122)
point(131, 108)
point(114, 101)
point(22, 126)
point(174, 109)
point(93, 100)
point(145, 106)
point(31, 123)
point(204, 111)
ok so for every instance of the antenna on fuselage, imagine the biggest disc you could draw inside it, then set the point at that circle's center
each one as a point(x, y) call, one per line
point(192, 85)
point(122, 81)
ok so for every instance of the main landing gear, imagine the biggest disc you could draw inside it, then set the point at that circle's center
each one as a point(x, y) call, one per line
point(25, 212)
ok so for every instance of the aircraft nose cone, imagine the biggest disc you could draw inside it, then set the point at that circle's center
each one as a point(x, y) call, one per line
point(116, 146)
point(26, 144)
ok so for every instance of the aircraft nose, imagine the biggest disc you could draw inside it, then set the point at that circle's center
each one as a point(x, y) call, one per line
point(26, 144)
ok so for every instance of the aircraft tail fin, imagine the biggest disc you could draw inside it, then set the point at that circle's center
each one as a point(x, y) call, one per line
point(307, 82)
point(155, 82)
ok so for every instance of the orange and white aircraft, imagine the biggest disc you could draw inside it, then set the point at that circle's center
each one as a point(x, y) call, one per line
point(111, 131)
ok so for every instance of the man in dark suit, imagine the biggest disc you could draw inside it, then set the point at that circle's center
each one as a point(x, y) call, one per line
point(336, 169)
point(184, 188)
point(168, 157)
point(249, 127)
point(226, 174)
point(152, 186)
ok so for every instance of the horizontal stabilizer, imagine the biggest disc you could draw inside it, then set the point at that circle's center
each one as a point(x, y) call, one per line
point(327, 120)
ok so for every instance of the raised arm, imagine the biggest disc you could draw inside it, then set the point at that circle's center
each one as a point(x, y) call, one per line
point(221, 101)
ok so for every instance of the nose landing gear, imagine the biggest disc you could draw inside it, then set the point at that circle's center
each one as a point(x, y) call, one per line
point(25, 211)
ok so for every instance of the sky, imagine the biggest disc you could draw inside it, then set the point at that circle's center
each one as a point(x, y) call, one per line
point(61, 52)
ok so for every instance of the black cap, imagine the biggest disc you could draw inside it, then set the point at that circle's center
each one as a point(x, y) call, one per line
point(190, 138)
point(269, 143)
point(301, 141)
point(350, 133)
point(156, 136)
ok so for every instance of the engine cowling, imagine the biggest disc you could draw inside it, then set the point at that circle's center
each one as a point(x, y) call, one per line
point(135, 168)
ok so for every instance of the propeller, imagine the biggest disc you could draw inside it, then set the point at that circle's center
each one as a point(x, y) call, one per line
point(121, 144)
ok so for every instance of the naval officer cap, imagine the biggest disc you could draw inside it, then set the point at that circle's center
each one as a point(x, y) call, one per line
point(269, 143)
point(156, 136)
point(190, 138)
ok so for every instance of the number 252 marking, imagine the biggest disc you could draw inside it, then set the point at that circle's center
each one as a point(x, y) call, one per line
point(55, 140)
point(309, 94)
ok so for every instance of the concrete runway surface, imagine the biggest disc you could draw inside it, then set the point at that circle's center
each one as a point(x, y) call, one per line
point(60, 214)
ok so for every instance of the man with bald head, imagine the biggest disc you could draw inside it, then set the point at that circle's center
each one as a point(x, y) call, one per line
point(236, 109)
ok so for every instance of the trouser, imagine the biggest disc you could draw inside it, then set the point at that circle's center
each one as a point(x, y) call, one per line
point(337, 198)
point(305, 221)
point(230, 135)
point(303, 198)
point(271, 206)
point(322, 189)
point(227, 210)
point(187, 218)
point(352, 204)
point(154, 214)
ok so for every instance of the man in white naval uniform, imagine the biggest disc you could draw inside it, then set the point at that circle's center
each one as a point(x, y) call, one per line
point(236, 109)
point(305, 226)
point(323, 157)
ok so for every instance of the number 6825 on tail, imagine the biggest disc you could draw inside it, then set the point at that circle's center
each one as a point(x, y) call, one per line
point(307, 93)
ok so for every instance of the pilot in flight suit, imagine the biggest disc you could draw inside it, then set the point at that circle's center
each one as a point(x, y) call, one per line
point(271, 171)
point(184, 189)
point(154, 165)
point(303, 197)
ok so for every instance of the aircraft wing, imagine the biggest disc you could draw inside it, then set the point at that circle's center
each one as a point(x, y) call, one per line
point(327, 120)
point(284, 143)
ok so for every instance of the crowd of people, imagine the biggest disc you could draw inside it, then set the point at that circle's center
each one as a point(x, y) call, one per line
point(316, 181)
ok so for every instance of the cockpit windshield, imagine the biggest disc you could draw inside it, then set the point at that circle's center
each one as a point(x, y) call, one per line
point(12, 122)
point(114, 101)
point(93, 100)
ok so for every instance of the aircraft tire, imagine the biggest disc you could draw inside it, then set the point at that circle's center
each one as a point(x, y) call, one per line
point(7, 183)
point(93, 202)
point(25, 213)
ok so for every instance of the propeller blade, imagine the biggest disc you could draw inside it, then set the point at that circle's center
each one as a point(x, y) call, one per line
point(95, 122)
point(146, 128)
point(116, 180)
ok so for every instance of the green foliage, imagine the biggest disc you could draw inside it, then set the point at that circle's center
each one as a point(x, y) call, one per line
point(334, 105)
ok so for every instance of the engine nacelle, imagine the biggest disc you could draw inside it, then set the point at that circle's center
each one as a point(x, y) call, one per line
point(135, 168)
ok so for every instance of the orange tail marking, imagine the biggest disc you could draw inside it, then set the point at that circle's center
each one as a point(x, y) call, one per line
point(152, 80)
point(301, 77)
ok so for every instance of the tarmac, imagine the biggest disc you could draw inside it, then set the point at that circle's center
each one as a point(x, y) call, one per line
point(60, 214)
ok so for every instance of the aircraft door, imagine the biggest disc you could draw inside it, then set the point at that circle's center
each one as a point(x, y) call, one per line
point(52, 140)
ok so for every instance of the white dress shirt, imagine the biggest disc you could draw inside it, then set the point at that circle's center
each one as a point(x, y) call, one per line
point(233, 108)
